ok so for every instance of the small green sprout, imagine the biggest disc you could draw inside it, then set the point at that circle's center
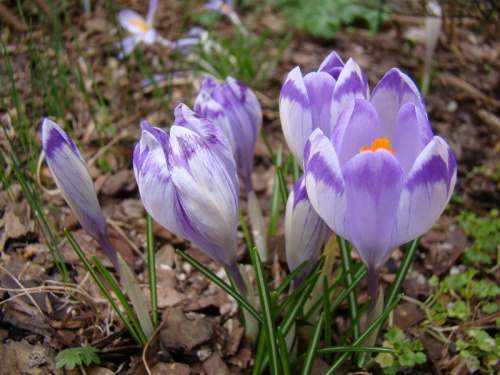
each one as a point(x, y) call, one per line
point(479, 350)
point(407, 353)
point(76, 356)
point(486, 233)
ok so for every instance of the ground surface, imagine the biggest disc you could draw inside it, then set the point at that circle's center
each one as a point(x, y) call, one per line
point(202, 333)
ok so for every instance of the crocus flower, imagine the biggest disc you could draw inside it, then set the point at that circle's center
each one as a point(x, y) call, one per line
point(195, 36)
point(235, 109)
point(382, 178)
point(304, 231)
point(317, 99)
point(73, 180)
point(142, 30)
point(188, 183)
point(226, 8)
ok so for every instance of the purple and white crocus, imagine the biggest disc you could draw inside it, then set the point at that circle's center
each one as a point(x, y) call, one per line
point(317, 99)
point(75, 184)
point(381, 178)
point(188, 183)
point(235, 109)
point(142, 30)
point(304, 231)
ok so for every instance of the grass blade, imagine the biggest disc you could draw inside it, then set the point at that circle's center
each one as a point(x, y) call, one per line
point(150, 249)
point(285, 363)
point(313, 346)
point(119, 294)
point(351, 297)
point(221, 284)
point(268, 324)
point(102, 287)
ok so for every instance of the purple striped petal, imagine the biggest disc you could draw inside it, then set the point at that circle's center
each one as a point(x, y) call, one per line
point(206, 192)
point(73, 180)
point(391, 93)
point(304, 230)
point(426, 193)
point(210, 133)
point(351, 83)
point(358, 126)
point(295, 113)
point(412, 132)
point(234, 108)
point(325, 183)
point(332, 65)
point(373, 182)
point(320, 90)
point(156, 188)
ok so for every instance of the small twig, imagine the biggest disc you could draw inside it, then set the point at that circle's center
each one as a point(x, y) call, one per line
point(155, 333)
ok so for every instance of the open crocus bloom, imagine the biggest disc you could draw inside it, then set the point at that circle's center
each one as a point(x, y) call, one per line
point(304, 231)
point(317, 99)
point(382, 178)
point(188, 183)
point(73, 180)
point(235, 109)
point(142, 30)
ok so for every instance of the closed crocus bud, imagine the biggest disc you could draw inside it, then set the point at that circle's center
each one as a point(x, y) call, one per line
point(316, 100)
point(188, 183)
point(235, 109)
point(73, 180)
point(382, 178)
point(304, 231)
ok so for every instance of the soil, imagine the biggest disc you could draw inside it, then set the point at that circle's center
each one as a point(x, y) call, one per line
point(201, 331)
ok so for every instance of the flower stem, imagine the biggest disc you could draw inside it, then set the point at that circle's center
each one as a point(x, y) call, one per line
point(372, 279)
point(258, 226)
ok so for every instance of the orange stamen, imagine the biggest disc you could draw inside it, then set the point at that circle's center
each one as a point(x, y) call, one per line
point(140, 23)
point(377, 144)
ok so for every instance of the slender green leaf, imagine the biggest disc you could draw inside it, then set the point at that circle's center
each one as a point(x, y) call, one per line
point(267, 313)
point(221, 284)
point(285, 363)
point(150, 249)
point(103, 289)
point(313, 346)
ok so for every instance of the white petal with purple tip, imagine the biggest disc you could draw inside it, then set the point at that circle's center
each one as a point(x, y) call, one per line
point(427, 191)
point(295, 113)
point(325, 184)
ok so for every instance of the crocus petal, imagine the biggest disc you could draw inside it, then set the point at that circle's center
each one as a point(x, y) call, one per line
point(153, 178)
point(132, 21)
point(391, 93)
point(325, 184)
point(211, 134)
point(295, 113)
point(153, 6)
point(357, 127)
point(304, 230)
point(206, 192)
point(352, 83)
point(127, 45)
point(427, 191)
point(320, 90)
point(372, 182)
point(73, 180)
point(332, 65)
point(150, 37)
point(412, 132)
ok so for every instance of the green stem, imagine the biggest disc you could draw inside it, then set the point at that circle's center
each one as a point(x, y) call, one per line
point(150, 248)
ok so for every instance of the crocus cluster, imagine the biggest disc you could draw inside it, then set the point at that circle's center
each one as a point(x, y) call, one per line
point(73, 179)
point(188, 183)
point(375, 172)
